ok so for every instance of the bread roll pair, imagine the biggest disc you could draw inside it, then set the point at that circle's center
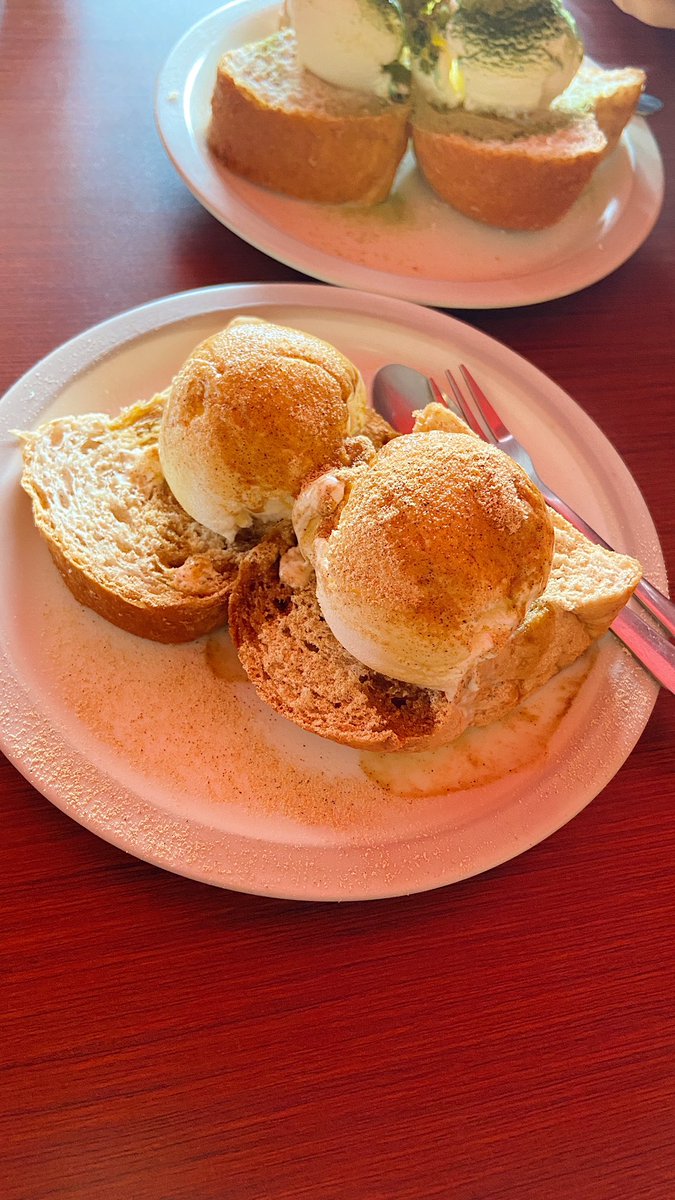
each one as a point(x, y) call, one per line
point(280, 126)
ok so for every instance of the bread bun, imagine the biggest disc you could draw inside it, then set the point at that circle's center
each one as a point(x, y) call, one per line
point(278, 125)
point(303, 672)
point(254, 410)
point(524, 175)
point(521, 183)
point(441, 544)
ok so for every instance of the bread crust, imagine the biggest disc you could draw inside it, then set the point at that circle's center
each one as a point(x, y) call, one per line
point(299, 668)
point(182, 621)
point(524, 184)
point(278, 127)
point(122, 543)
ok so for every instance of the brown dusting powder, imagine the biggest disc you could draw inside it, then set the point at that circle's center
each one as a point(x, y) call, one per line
point(449, 524)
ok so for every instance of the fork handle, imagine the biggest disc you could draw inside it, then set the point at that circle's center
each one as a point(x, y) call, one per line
point(649, 596)
point(649, 646)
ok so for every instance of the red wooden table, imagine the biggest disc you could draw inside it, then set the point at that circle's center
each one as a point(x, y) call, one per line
point(510, 1036)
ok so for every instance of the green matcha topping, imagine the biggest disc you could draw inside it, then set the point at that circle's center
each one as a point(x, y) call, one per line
point(513, 31)
point(399, 76)
point(426, 31)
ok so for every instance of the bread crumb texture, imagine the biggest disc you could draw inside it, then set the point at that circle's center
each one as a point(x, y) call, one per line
point(123, 544)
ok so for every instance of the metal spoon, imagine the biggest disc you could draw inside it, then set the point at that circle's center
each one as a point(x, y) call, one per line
point(648, 105)
point(398, 392)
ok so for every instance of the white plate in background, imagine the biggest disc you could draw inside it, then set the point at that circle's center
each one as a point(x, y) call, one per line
point(162, 751)
point(414, 246)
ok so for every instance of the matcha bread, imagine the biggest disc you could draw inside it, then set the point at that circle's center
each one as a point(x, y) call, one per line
point(525, 178)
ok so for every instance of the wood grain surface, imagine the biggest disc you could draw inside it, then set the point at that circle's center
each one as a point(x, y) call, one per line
point(509, 1038)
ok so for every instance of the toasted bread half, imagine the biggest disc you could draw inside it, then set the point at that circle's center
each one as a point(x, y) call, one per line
point(278, 125)
point(122, 543)
point(528, 176)
point(299, 668)
point(524, 182)
point(610, 95)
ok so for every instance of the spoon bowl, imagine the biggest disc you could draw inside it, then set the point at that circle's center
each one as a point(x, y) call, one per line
point(398, 392)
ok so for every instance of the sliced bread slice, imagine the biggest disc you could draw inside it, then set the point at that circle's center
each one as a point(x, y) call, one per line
point(282, 127)
point(122, 543)
point(299, 668)
point(611, 95)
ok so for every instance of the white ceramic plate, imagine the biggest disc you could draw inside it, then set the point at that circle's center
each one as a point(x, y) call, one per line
point(166, 752)
point(414, 246)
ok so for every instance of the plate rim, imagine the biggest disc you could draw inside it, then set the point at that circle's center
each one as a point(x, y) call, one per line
point(91, 347)
point(536, 287)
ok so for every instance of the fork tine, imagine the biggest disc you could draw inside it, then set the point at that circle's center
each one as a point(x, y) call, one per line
point(491, 418)
point(465, 409)
point(437, 393)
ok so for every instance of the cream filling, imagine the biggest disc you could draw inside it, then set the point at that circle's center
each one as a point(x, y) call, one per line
point(405, 654)
point(318, 501)
point(227, 516)
point(348, 43)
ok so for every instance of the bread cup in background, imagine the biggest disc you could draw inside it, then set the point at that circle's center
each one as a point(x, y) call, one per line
point(495, 135)
point(335, 133)
point(527, 182)
point(442, 643)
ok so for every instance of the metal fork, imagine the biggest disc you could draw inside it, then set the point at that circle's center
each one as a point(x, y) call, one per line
point(653, 650)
